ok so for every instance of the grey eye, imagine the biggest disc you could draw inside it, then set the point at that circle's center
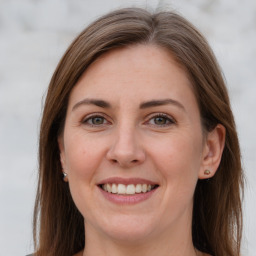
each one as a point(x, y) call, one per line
point(160, 120)
point(97, 120)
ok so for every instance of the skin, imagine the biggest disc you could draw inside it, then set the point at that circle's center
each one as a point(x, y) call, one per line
point(128, 141)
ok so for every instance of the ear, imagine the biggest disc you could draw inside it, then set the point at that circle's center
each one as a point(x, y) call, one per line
point(212, 152)
point(62, 152)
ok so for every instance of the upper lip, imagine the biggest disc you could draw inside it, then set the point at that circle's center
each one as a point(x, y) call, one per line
point(127, 181)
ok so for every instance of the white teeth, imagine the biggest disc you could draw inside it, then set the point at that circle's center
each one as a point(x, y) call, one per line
point(114, 188)
point(109, 188)
point(138, 188)
point(144, 188)
point(121, 189)
point(130, 189)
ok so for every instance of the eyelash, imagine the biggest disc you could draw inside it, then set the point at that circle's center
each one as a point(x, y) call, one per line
point(169, 121)
point(167, 118)
point(91, 117)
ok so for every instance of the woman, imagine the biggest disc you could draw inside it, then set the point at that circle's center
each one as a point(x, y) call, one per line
point(138, 150)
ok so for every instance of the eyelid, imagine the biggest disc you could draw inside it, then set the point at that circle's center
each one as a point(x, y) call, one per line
point(93, 115)
point(164, 115)
point(169, 118)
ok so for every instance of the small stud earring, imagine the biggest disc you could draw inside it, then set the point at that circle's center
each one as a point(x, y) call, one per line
point(207, 172)
point(65, 177)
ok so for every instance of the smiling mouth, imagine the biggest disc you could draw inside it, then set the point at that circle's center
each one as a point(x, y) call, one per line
point(130, 189)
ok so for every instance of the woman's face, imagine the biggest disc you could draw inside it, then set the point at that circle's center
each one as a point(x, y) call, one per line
point(133, 125)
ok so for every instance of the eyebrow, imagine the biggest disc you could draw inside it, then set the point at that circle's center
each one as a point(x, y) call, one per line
point(156, 103)
point(96, 102)
point(143, 105)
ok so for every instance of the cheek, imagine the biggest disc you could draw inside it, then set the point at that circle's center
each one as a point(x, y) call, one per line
point(82, 157)
point(178, 160)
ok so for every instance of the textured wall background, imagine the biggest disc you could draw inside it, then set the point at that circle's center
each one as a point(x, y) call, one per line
point(33, 36)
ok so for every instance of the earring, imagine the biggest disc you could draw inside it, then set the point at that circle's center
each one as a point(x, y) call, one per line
point(207, 172)
point(65, 176)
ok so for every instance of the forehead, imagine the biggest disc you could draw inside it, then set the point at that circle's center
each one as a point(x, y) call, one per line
point(139, 72)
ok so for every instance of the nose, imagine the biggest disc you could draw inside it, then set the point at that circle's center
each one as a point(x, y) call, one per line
point(126, 149)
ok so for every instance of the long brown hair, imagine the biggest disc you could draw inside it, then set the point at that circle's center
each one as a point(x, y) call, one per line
point(217, 214)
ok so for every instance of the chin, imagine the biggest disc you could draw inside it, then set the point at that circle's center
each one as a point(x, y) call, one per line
point(128, 236)
point(129, 230)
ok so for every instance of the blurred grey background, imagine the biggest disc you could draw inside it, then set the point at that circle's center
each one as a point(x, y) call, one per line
point(34, 35)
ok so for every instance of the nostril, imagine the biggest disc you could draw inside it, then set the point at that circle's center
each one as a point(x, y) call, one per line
point(116, 161)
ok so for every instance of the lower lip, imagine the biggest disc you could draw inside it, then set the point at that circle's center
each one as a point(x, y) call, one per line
point(127, 199)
